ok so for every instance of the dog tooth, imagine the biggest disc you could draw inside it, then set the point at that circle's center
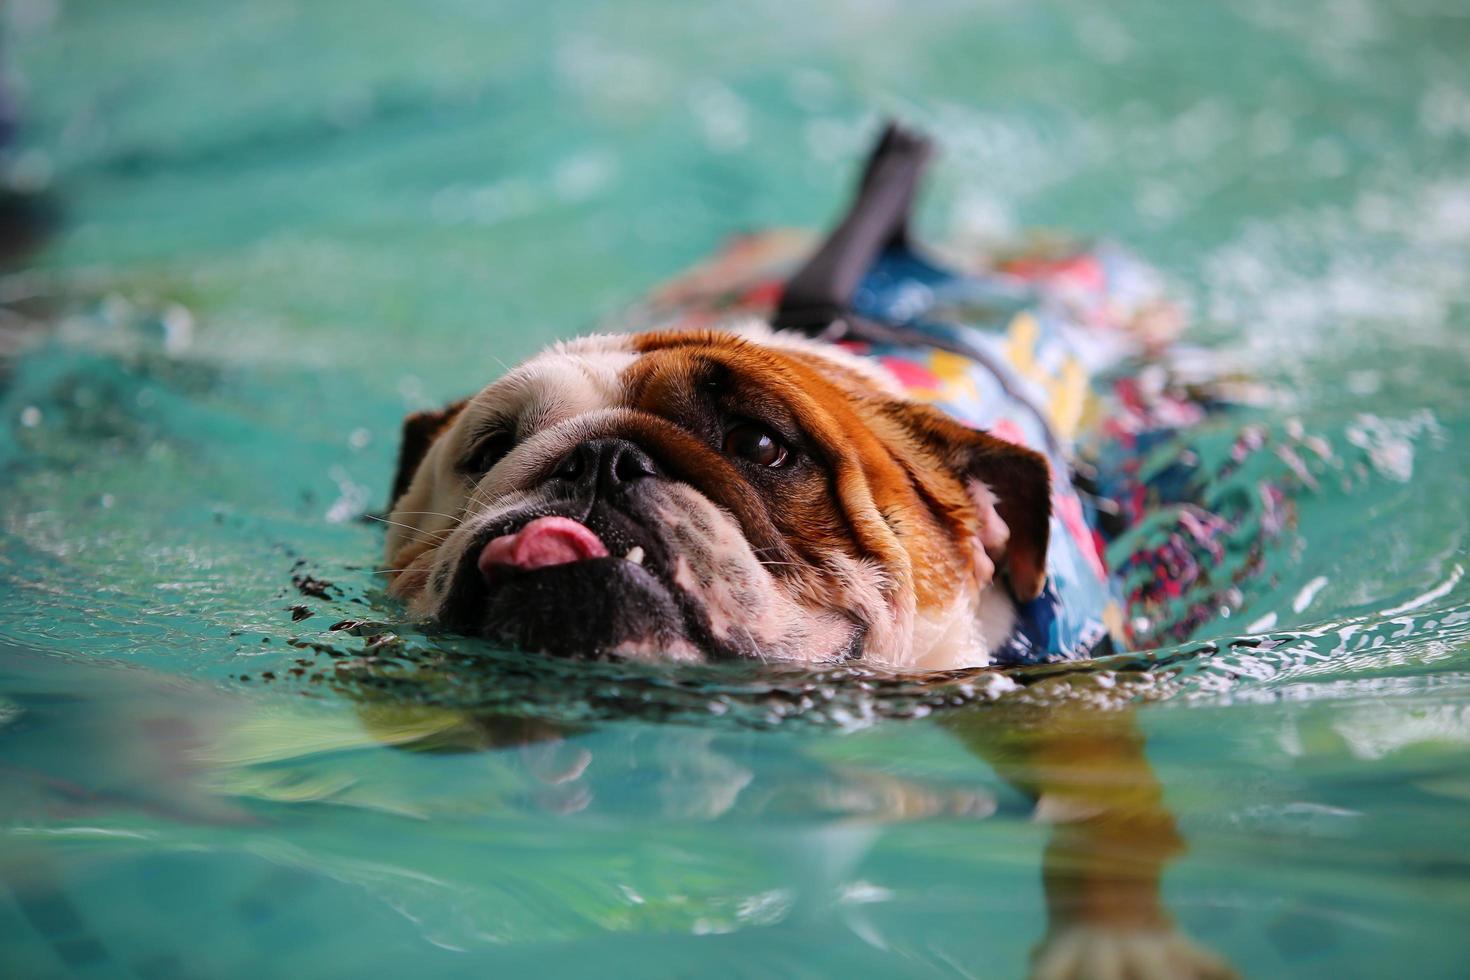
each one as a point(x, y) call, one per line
point(634, 555)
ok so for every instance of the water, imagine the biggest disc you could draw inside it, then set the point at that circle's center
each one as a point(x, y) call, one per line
point(287, 224)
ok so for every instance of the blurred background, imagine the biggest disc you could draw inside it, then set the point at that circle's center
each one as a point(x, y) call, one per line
point(338, 180)
point(242, 239)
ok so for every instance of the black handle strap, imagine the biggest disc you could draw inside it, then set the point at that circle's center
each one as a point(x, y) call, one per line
point(821, 291)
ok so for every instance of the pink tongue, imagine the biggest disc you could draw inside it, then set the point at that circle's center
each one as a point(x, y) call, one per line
point(544, 541)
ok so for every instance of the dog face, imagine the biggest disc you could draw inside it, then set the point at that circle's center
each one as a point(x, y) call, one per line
point(700, 495)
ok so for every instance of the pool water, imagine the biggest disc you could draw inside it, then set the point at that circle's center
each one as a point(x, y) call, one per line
point(284, 225)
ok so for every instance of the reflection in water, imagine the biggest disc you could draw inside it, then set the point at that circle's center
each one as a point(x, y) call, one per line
point(130, 742)
point(1111, 839)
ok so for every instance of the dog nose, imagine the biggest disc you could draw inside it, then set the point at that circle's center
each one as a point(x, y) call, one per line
point(606, 463)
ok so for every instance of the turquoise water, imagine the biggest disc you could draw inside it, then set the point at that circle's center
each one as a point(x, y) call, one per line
point(286, 224)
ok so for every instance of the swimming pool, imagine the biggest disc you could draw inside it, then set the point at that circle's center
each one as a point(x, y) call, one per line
point(287, 224)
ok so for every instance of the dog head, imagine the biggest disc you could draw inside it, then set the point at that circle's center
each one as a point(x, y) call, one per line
point(700, 495)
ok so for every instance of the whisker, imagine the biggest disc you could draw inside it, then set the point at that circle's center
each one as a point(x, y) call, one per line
point(477, 498)
point(409, 527)
point(432, 543)
point(754, 643)
point(423, 538)
point(429, 513)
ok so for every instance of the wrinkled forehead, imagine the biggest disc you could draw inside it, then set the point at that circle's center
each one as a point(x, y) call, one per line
point(568, 380)
point(818, 369)
point(601, 372)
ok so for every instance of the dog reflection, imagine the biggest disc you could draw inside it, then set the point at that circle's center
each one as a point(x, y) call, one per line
point(1085, 769)
point(1110, 841)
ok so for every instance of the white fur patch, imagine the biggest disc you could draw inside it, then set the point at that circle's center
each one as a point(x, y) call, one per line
point(568, 381)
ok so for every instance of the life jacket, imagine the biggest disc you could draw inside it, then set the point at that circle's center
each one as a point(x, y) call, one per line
point(1013, 342)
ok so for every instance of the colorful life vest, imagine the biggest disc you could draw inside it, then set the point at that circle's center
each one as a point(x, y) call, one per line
point(1014, 355)
point(1012, 347)
point(1039, 345)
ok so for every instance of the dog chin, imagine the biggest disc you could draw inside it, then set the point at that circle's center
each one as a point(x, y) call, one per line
point(596, 608)
point(619, 603)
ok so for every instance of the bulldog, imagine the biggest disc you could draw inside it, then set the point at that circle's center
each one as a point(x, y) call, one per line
point(849, 453)
point(731, 486)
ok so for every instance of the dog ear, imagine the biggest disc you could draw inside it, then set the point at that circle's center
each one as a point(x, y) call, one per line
point(1018, 478)
point(420, 429)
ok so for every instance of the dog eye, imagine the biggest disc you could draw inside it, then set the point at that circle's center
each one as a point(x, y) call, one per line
point(755, 444)
point(487, 452)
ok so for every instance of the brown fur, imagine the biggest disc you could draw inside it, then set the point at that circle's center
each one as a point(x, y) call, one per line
point(900, 468)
